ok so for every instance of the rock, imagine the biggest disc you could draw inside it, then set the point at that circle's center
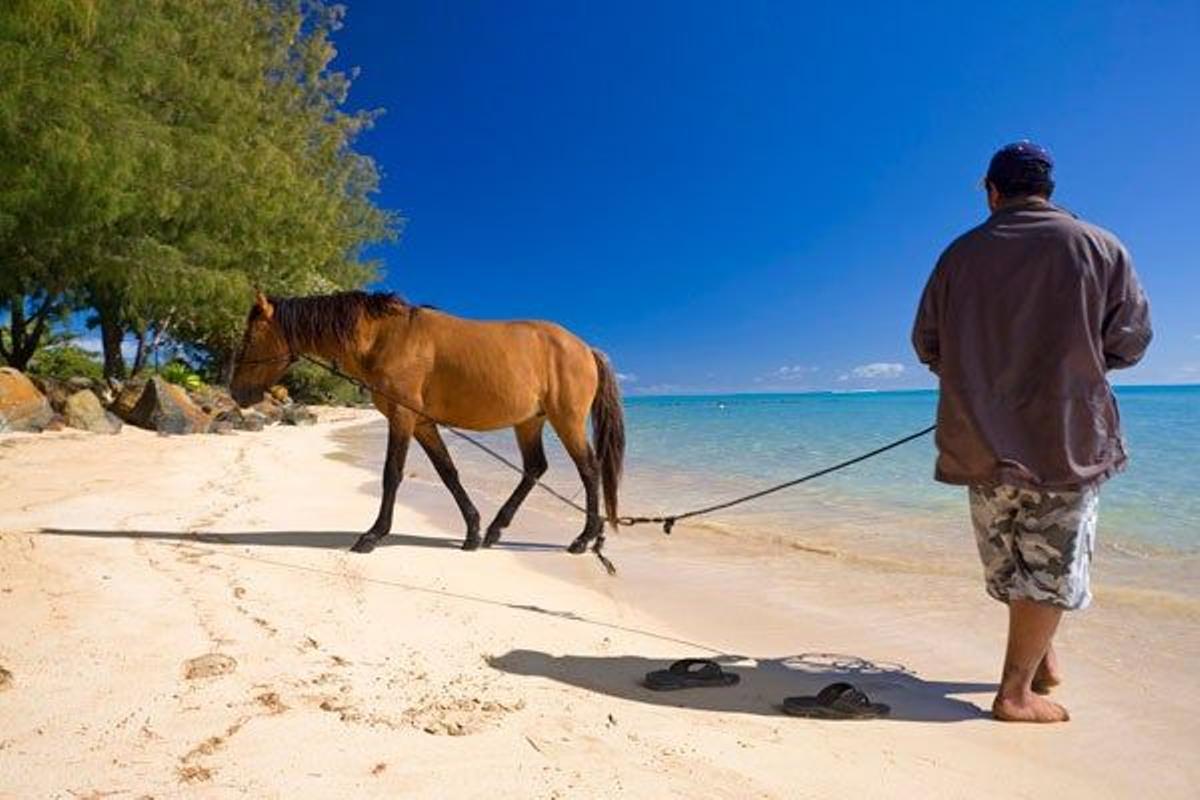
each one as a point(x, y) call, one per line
point(279, 393)
point(57, 423)
point(56, 391)
point(166, 408)
point(126, 397)
point(237, 419)
point(105, 395)
point(22, 406)
point(78, 383)
point(106, 392)
point(252, 421)
point(213, 400)
point(270, 409)
point(83, 410)
point(298, 415)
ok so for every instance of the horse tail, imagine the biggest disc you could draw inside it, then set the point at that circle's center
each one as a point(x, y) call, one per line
point(608, 433)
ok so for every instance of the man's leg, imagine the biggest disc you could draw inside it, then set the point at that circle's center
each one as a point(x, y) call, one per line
point(1049, 672)
point(1053, 536)
point(1031, 628)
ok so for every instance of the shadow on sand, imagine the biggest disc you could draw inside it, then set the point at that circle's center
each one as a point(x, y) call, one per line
point(764, 683)
point(337, 540)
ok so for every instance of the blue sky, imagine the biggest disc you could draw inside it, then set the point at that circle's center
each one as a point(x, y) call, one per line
point(750, 196)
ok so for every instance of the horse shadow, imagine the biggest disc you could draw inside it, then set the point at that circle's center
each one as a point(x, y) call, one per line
point(334, 540)
point(763, 686)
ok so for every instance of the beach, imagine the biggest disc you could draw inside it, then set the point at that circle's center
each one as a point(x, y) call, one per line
point(181, 618)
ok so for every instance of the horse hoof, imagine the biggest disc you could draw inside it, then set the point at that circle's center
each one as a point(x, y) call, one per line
point(471, 543)
point(363, 545)
point(492, 536)
point(578, 546)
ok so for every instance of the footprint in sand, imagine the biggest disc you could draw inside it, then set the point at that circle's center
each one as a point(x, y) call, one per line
point(271, 702)
point(6, 679)
point(458, 716)
point(209, 665)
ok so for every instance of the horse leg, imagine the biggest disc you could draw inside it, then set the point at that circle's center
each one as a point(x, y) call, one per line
point(427, 434)
point(573, 434)
point(533, 457)
point(393, 470)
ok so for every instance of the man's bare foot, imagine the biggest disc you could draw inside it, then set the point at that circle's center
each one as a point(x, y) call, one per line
point(1049, 673)
point(1028, 708)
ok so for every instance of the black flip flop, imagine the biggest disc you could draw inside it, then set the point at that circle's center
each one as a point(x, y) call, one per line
point(836, 701)
point(690, 673)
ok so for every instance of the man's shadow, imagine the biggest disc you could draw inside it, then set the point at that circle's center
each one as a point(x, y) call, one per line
point(763, 686)
point(337, 540)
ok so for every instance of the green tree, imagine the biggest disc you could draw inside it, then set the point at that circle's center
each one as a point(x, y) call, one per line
point(210, 155)
point(60, 181)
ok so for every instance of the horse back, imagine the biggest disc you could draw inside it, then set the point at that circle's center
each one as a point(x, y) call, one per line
point(492, 374)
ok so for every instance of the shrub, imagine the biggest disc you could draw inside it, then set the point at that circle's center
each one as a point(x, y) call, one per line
point(63, 361)
point(181, 374)
point(309, 384)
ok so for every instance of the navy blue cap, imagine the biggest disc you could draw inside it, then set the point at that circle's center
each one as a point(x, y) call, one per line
point(1020, 161)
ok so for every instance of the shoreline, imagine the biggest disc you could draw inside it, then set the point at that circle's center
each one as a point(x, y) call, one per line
point(390, 673)
point(867, 538)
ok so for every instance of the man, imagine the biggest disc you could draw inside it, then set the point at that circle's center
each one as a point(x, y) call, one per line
point(1021, 320)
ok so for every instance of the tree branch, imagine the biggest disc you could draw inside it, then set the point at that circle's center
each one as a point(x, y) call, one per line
point(39, 328)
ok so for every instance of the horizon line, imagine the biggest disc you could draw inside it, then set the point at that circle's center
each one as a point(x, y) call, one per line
point(753, 393)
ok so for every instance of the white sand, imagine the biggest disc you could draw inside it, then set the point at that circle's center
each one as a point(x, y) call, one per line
point(180, 618)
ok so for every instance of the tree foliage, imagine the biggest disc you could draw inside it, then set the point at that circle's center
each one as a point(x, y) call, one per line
point(159, 158)
point(63, 361)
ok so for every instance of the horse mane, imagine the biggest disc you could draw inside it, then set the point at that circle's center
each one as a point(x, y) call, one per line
point(310, 321)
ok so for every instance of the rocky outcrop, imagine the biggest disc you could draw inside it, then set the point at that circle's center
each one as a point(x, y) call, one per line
point(237, 419)
point(166, 408)
point(126, 398)
point(51, 404)
point(56, 391)
point(270, 409)
point(298, 415)
point(83, 410)
point(213, 400)
point(22, 406)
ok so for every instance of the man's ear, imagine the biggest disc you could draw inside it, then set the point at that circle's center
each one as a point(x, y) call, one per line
point(993, 195)
point(263, 305)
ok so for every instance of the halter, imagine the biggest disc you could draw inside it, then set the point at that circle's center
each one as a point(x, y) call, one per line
point(290, 358)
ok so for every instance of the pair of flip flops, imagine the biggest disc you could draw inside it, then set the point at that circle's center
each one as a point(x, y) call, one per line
point(837, 701)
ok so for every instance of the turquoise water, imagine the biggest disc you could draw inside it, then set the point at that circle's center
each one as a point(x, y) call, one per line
point(887, 513)
point(686, 451)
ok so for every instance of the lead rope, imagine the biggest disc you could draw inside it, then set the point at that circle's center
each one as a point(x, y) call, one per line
point(667, 521)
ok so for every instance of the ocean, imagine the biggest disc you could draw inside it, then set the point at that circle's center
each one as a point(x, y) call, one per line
point(1154, 506)
point(687, 452)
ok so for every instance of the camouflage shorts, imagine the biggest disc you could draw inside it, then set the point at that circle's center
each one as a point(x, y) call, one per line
point(1036, 545)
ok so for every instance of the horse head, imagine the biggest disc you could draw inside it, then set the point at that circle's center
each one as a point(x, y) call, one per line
point(265, 354)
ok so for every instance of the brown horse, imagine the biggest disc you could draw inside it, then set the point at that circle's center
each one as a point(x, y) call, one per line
point(479, 376)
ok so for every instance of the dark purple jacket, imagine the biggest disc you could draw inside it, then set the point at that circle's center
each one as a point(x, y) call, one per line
point(1021, 320)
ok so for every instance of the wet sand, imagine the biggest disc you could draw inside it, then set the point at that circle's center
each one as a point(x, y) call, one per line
point(180, 617)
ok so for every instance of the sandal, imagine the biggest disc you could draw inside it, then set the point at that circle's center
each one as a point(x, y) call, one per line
point(836, 701)
point(690, 673)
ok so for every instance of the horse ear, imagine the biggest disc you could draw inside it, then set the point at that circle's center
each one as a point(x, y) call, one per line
point(263, 304)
